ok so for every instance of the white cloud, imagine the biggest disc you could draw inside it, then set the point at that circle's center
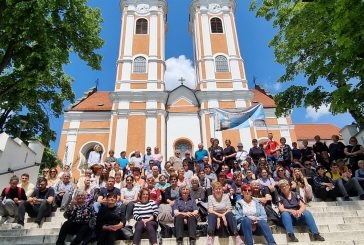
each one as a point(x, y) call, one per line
point(177, 68)
point(323, 110)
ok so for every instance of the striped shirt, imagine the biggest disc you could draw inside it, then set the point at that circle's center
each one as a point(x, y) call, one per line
point(145, 210)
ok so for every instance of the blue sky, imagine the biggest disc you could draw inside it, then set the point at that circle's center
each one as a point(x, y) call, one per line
point(254, 35)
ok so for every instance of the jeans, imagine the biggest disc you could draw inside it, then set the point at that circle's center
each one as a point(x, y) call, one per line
point(129, 211)
point(63, 201)
point(8, 208)
point(180, 225)
point(96, 206)
point(201, 165)
point(212, 222)
point(39, 211)
point(272, 162)
point(69, 227)
point(305, 219)
point(151, 228)
point(262, 227)
point(344, 187)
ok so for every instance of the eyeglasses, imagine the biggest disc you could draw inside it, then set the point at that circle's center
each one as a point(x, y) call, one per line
point(129, 180)
point(248, 190)
point(280, 170)
point(177, 153)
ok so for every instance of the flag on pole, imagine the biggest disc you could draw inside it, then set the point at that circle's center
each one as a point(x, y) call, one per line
point(235, 119)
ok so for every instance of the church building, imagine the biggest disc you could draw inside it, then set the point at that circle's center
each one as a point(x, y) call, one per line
point(140, 112)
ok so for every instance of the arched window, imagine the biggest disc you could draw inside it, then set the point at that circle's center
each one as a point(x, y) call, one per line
point(183, 146)
point(141, 26)
point(140, 65)
point(216, 25)
point(221, 64)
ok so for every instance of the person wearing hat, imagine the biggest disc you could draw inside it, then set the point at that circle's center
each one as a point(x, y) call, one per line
point(323, 186)
point(241, 154)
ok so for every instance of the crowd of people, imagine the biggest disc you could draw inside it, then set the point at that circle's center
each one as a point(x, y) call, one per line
point(237, 192)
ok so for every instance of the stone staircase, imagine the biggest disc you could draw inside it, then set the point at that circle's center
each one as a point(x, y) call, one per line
point(340, 223)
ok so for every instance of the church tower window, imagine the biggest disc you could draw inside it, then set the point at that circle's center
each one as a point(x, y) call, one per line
point(141, 26)
point(140, 65)
point(221, 64)
point(216, 25)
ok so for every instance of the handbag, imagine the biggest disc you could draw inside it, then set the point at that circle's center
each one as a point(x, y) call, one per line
point(272, 215)
point(202, 210)
point(166, 230)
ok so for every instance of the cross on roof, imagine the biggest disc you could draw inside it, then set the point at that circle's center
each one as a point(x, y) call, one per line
point(182, 80)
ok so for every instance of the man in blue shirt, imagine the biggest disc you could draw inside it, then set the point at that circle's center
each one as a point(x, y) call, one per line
point(199, 155)
point(122, 161)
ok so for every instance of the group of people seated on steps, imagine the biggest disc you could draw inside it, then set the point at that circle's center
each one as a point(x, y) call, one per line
point(237, 192)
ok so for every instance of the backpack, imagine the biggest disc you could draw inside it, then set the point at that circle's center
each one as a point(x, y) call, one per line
point(7, 190)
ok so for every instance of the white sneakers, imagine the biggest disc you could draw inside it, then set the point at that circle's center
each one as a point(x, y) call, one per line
point(3, 220)
point(18, 226)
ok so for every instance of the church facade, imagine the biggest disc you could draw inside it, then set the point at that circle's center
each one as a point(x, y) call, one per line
point(140, 112)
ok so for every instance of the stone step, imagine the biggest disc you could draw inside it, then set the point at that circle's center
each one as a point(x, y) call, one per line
point(337, 208)
point(280, 239)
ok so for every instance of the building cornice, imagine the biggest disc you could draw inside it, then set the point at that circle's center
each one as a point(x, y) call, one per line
point(158, 3)
point(159, 96)
point(212, 6)
point(224, 95)
point(87, 116)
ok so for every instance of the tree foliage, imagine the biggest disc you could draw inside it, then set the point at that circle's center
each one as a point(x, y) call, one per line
point(324, 41)
point(36, 39)
point(49, 159)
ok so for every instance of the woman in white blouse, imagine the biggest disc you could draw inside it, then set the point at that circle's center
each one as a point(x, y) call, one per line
point(251, 215)
point(219, 209)
point(95, 156)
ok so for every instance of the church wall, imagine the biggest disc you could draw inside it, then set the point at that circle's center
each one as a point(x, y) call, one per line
point(113, 132)
point(223, 84)
point(136, 133)
point(137, 105)
point(233, 135)
point(159, 131)
point(227, 104)
point(138, 86)
point(61, 147)
point(184, 126)
point(94, 125)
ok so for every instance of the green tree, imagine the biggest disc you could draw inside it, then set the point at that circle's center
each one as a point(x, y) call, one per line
point(324, 41)
point(36, 40)
point(49, 159)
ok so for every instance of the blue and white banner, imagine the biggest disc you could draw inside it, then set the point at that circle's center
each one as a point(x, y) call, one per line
point(235, 119)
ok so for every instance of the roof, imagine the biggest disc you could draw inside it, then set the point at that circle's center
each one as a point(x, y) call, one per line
point(93, 101)
point(309, 131)
point(261, 96)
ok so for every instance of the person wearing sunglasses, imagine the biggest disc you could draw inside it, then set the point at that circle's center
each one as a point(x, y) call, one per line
point(251, 216)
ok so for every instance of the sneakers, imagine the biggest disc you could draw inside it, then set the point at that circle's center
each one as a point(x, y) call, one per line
point(192, 242)
point(238, 240)
point(210, 240)
point(347, 198)
point(318, 237)
point(3, 220)
point(18, 226)
point(292, 237)
point(179, 242)
point(361, 197)
point(9, 220)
